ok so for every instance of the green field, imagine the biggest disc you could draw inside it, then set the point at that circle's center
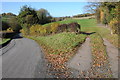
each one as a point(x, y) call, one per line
point(82, 22)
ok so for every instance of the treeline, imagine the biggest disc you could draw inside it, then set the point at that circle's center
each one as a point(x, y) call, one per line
point(83, 15)
point(26, 18)
point(55, 19)
point(9, 21)
point(108, 13)
point(7, 14)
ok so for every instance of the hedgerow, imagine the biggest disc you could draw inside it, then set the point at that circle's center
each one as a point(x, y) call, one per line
point(51, 29)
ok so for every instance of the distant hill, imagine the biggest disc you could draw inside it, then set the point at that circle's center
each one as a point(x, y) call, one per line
point(83, 15)
point(7, 16)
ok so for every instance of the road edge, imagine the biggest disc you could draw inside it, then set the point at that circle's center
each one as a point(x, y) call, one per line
point(7, 47)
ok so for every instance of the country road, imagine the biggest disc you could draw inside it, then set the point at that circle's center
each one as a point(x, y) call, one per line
point(24, 60)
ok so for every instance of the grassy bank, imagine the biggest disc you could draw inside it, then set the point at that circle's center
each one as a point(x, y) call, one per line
point(60, 43)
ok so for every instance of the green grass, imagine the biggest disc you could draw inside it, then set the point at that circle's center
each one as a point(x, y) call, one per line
point(82, 22)
point(62, 42)
point(2, 41)
point(105, 33)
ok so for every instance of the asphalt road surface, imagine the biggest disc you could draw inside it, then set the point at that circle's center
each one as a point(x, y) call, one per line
point(24, 60)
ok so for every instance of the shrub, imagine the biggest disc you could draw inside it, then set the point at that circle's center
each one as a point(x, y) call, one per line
point(54, 27)
point(30, 19)
point(42, 30)
point(62, 28)
point(5, 25)
point(22, 31)
point(26, 29)
point(74, 27)
point(114, 24)
point(15, 26)
point(48, 30)
point(34, 29)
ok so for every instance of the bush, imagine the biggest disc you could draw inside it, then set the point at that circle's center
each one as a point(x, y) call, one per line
point(74, 27)
point(39, 30)
point(43, 30)
point(114, 24)
point(30, 19)
point(48, 30)
point(54, 27)
point(22, 31)
point(26, 29)
point(15, 26)
point(5, 25)
point(34, 29)
point(62, 28)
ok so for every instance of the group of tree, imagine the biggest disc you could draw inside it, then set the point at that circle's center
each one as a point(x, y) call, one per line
point(9, 21)
point(55, 19)
point(107, 13)
point(25, 19)
point(83, 15)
